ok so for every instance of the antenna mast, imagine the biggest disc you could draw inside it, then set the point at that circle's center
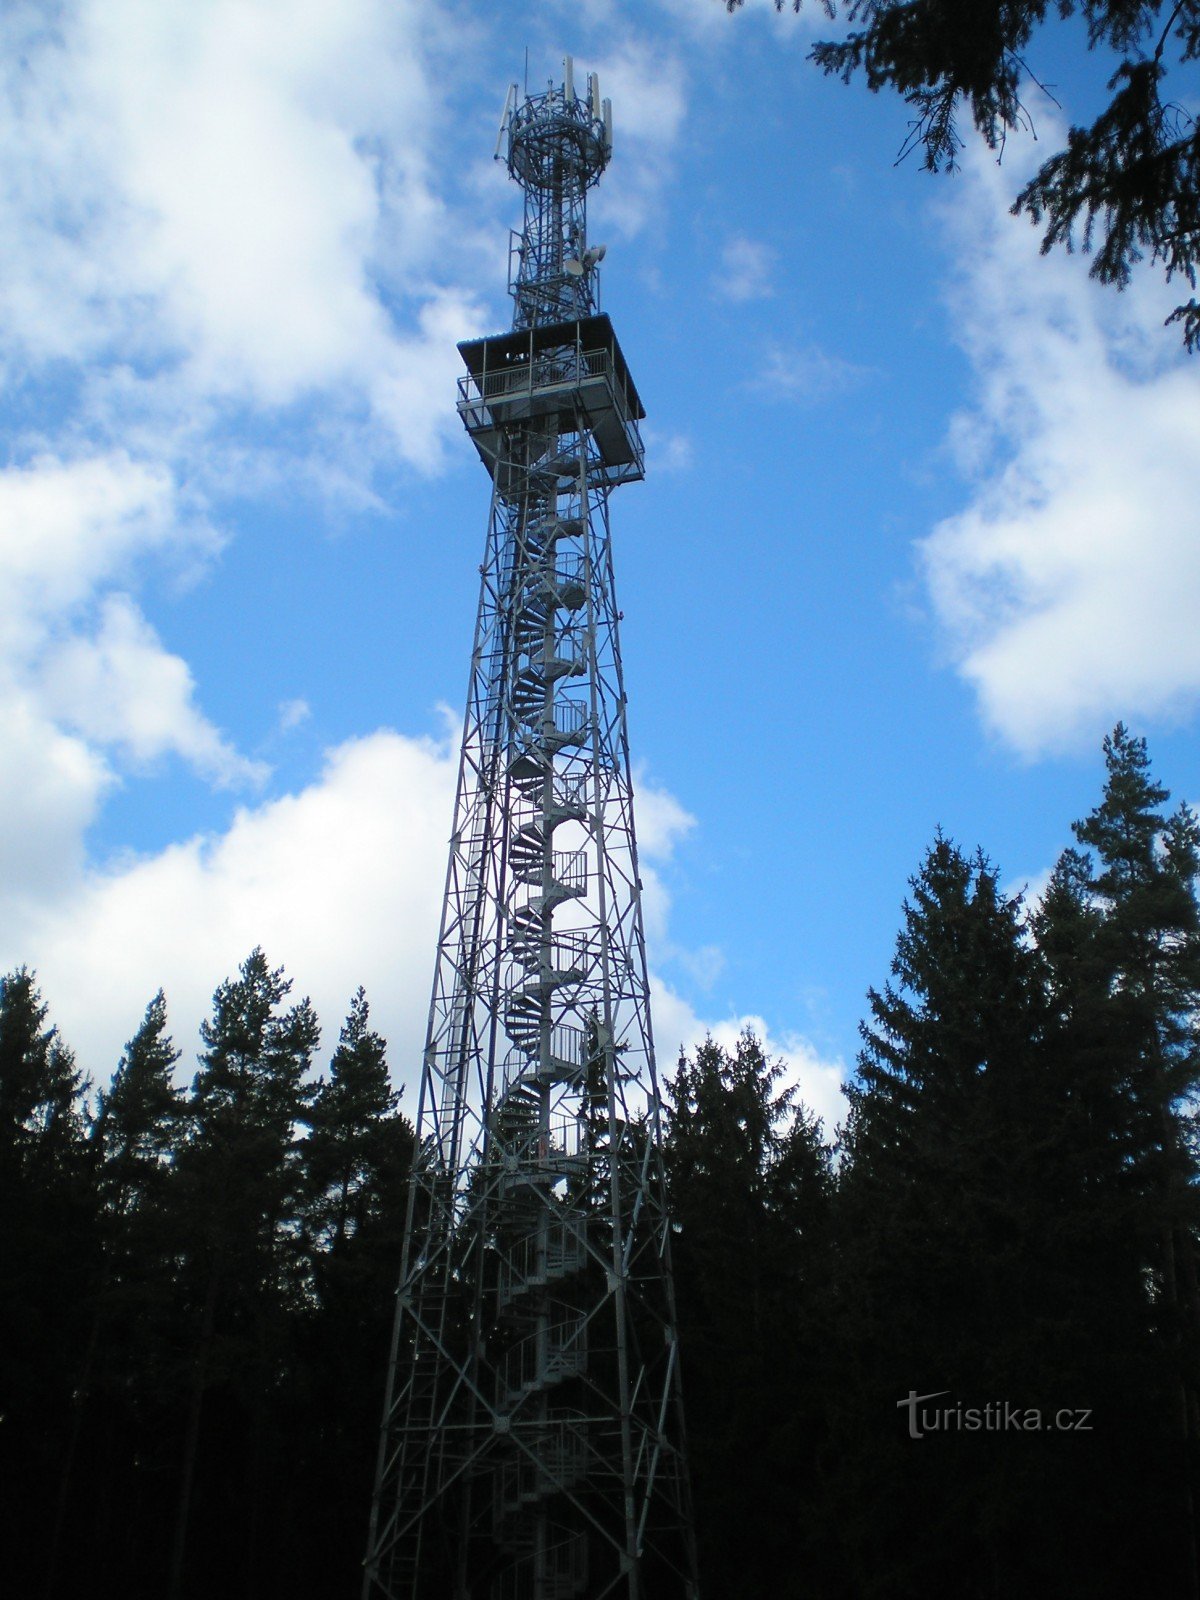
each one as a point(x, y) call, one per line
point(532, 1444)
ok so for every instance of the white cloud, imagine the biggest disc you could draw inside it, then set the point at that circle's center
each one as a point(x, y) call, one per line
point(747, 271)
point(293, 714)
point(677, 1026)
point(51, 785)
point(661, 824)
point(215, 193)
point(1069, 586)
point(661, 821)
point(214, 217)
point(341, 884)
point(81, 670)
point(120, 687)
point(667, 452)
point(69, 526)
point(803, 372)
point(647, 88)
point(232, 221)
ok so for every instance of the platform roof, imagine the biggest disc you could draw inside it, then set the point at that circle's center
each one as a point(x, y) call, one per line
point(519, 347)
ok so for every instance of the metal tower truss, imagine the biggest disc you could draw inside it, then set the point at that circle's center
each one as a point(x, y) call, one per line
point(532, 1446)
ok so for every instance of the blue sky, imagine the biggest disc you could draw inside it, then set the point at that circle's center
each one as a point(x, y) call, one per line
point(920, 520)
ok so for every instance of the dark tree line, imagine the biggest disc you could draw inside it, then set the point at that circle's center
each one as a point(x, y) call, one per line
point(195, 1292)
point(196, 1286)
point(1007, 1226)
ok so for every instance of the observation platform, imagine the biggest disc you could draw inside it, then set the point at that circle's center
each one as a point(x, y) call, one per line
point(560, 370)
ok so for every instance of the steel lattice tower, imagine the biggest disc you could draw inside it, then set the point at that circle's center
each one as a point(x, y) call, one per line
point(532, 1445)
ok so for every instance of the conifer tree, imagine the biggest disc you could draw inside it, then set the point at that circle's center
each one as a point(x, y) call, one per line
point(357, 1157)
point(1142, 886)
point(139, 1118)
point(123, 1443)
point(1148, 947)
point(351, 1125)
point(750, 1189)
point(952, 1277)
point(985, 1254)
point(237, 1193)
point(48, 1265)
point(41, 1090)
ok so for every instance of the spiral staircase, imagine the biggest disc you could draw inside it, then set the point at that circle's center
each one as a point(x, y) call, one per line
point(542, 1328)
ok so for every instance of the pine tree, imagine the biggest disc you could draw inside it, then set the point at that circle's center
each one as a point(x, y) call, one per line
point(237, 1191)
point(351, 1126)
point(139, 1118)
point(357, 1159)
point(48, 1267)
point(120, 1453)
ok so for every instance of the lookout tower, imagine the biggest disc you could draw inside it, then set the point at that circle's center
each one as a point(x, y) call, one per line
point(532, 1444)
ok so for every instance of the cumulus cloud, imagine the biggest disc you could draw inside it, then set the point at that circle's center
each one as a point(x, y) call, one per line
point(224, 249)
point(661, 823)
point(67, 527)
point(212, 204)
point(51, 786)
point(340, 883)
point(677, 1027)
point(120, 687)
point(233, 259)
point(1067, 588)
point(81, 670)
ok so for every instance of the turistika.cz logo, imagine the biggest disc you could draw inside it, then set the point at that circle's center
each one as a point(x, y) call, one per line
point(998, 1416)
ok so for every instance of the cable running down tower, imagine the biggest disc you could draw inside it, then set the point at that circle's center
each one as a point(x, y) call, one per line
point(532, 1445)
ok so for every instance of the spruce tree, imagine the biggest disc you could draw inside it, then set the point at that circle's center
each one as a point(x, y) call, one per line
point(750, 1182)
point(1142, 885)
point(1148, 948)
point(955, 1275)
point(987, 1254)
